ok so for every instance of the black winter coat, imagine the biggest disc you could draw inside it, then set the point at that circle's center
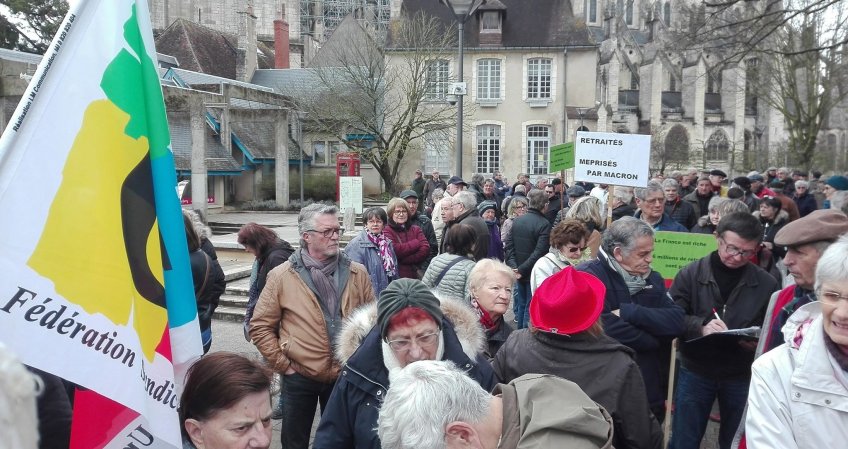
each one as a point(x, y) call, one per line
point(647, 323)
point(529, 243)
point(350, 418)
point(601, 367)
point(208, 297)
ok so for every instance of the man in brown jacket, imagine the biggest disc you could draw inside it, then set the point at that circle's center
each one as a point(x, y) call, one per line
point(300, 312)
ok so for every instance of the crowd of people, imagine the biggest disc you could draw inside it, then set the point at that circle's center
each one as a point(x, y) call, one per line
point(488, 315)
point(433, 275)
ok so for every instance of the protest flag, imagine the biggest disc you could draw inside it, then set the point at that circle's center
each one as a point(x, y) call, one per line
point(96, 284)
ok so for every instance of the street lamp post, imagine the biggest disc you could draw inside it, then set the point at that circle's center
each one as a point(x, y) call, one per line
point(462, 11)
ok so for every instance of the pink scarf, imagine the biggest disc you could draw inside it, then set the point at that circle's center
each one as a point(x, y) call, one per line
point(385, 252)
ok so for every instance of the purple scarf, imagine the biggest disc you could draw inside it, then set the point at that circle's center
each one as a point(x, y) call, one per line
point(385, 252)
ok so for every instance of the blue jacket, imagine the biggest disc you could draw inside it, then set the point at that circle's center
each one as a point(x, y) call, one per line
point(647, 323)
point(350, 418)
point(361, 249)
point(665, 224)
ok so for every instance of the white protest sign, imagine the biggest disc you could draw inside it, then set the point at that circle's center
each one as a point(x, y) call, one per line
point(612, 158)
point(350, 193)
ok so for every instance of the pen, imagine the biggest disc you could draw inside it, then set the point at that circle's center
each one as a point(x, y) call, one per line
point(716, 314)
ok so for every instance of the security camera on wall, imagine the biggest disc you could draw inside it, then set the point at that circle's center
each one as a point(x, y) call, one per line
point(457, 89)
point(451, 99)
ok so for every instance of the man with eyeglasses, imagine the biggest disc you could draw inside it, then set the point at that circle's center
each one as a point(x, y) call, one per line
point(464, 208)
point(650, 201)
point(721, 291)
point(299, 315)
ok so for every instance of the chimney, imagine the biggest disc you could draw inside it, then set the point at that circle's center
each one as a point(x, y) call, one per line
point(281, 43)
point(246, 45)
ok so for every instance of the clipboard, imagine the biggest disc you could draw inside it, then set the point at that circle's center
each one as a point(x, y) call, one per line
point(730, 336)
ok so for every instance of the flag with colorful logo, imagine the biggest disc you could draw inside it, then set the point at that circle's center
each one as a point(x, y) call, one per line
point(96, 284)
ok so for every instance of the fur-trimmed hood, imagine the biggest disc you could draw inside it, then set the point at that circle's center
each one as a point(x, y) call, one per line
point(459, 313)
point(781, 219)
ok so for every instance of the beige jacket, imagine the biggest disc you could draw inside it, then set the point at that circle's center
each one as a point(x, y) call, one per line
point(289, 326)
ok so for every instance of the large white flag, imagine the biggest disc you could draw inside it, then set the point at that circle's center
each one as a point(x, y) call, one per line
point(96, 283)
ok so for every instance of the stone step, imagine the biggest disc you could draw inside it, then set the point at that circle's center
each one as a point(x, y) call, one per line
point(229, 300)
point(235, 271)
point(219, 228)
point(232, 314)
point(239, 287)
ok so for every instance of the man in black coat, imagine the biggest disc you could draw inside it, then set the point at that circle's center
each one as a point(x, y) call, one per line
point(464, 206)
point(529, 243)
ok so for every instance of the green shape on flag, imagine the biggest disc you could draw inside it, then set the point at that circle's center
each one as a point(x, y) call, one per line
point(675, 250)
point(132, 83)
point(562, 157)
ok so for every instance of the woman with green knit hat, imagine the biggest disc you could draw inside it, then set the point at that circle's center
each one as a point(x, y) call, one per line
point(407, 324)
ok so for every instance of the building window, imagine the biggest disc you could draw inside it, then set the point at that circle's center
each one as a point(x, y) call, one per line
point(437, 80)
point(437, 148)
point(667, 14)
point(538, 143)
point(714, 82)
point(593, 11)
point(488, 148)
point(491, 22)
point(634, 83)
point(324, 152)
point(717, 146)
point(539, 78)
point(628, 13)
point(489, 79)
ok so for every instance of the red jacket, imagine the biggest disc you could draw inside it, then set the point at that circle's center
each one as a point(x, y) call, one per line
point(411, 248)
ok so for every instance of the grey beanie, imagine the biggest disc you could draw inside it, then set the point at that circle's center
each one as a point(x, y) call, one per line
point(404, 293)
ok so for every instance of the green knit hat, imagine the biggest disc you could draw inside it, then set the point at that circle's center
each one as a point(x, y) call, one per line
point(404, 293)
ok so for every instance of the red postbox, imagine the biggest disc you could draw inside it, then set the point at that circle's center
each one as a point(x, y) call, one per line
point(347, 164)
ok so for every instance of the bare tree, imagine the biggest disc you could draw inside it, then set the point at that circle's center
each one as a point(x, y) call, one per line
point(794, 54)
point(381, 103)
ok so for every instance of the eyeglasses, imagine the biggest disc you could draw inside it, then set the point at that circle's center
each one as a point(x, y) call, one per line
point(375, 221)
point(400, 212)
point(326, 233)
point(574, 249)
point(405, 344)
point(733, 251)
point(655, 200)
point(831, 298)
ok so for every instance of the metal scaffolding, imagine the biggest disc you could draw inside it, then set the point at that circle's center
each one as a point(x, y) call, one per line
point(319, 18)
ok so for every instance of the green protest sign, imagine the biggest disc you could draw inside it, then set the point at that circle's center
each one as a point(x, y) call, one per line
point(562, 157)
point(675, 250)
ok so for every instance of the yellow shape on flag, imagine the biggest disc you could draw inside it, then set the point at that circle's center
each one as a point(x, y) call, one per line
point(82, 247)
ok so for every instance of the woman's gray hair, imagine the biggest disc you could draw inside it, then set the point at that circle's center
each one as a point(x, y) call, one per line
point(715, 203)
point(833, 265)
point(624, 194)
point(730, 206)
point(587, 210)
point(670, 182)
point(437, 195)
point(486, 269)
point(424, 398)
point(839, 200)
point(802, 183)
point(308, 216)
point(623, 234)
point(202, 231)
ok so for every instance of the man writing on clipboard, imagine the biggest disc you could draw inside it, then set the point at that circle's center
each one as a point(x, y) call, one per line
point(727, 284)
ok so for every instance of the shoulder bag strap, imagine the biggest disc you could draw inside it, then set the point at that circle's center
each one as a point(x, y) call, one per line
point(205, 276)
point(447, 268)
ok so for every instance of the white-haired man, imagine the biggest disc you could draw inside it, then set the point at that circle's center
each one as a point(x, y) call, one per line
point(434, 405)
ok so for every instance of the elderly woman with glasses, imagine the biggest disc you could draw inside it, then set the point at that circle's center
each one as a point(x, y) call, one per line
point(799, 391)
point(568, 246)
point(410, 243)
point(408, 323)
point(374, 250)
point(637, 309)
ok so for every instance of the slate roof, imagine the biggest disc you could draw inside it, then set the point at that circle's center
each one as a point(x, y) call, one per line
point(299, 84)
point(200, 49)
point(217, 158)
point(193, 78)
point(19, 56)
point(540, 23)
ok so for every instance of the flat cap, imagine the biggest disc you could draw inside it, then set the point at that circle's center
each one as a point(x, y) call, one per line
point(576, 191)
point(408, 194)
point(818, 226)
point(838, 182)
point(718, 172)
point(756, 177)
point(743, 182)
point(457, 180)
